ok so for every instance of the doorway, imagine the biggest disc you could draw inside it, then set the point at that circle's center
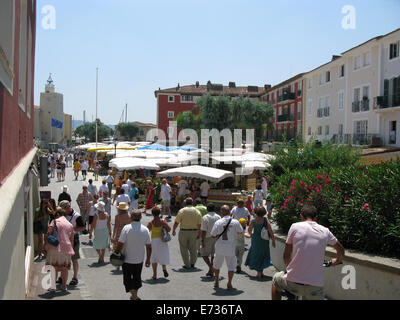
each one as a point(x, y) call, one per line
point(392, 132)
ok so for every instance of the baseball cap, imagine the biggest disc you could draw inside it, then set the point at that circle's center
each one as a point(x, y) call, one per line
point(243, 222)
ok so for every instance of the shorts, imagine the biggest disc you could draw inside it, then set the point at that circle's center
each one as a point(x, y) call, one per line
point(209, 247)
point(231, 262)
point(76, 256)
point(305, 291)
point(167, 203)
point(132, 275)
point(91, 219)
point(258, 203)
point(84, 172)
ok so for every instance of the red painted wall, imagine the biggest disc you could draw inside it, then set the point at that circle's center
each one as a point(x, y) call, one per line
point(177, 107)
point(16, 129)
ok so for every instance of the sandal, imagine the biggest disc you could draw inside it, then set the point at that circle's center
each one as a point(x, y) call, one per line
point(209, 274)
point(59, 281)
point(73, 282)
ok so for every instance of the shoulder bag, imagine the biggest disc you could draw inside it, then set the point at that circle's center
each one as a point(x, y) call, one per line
point(264, 230)
point(226, 228)
point(52, 239)
point(165, 236)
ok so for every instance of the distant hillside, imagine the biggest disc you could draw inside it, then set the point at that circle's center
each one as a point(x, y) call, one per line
point(77, 123)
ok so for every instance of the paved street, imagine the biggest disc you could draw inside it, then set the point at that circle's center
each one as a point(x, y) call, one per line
point(104, 282)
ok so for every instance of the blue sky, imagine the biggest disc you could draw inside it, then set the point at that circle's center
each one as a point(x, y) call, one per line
point(140, 46)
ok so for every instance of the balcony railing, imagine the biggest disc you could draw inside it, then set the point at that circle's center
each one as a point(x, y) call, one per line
point(286, 118)
point(364, 104)
point(326, 111)
point(370, 139)
point(299, 93)
point(382, 102)
point(287, 96)
point(320, 113)
point(356, 106)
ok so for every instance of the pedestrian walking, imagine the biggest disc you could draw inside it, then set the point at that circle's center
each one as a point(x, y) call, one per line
point(240, 211)
point(166, 192)
point(225, 231)
point(204, 188)
point(240, 246)
point(135, 237)
point(182, 188)
point(92, 188)
point(58, 170)
point(207, 241)
point(83, 201)
point(259, 257)
point(110, 181)
point(116, 194)
point(249, 204)
point(60, 256)
point(123, 197)
point(258, 197)
point(84, 168)
point(103, 188)
point(102, 230)
point(107, 202)
point(189, 219)
point(134, 197)
point(53, 165)
point(92, 213)
point(64, 195)
point(40, 225)
point(159, 248)
point(77, 222)
point(149, 196)
point(77, 168)
point(96, 170)
point(121, 220)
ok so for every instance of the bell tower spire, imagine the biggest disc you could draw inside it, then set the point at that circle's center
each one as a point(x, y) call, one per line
point(49, 85)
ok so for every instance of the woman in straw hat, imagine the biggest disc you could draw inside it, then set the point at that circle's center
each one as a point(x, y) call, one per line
point(102, 230)
point(121, 219)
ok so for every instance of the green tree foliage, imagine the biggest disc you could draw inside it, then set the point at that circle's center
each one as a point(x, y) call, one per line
point(127, 130)
point(88, 130)
point(189, 120)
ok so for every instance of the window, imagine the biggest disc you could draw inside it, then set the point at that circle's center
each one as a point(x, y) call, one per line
point(309, 107)
point(394, 50)
point(366, 59)
point(319, 130)
point(340, 131)
point(321, 79)
point(361, 127)
point(327, 106)
point(341, 99)
point(341, 71)
point(171, 114)
point(7, 20)
point(326, 130)
point(357, 63)
point(299, 111)
point(22, 56)
point(328, 76)
point(309, 131)
point(171, 99)
point(187, 98)
point(310, 83)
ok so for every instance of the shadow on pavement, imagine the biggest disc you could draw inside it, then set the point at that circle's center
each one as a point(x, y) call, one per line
point(98, 265)
point(183, 270)
point(157, 281)
point(224, 292)
point(255, 278)
point(51, 295)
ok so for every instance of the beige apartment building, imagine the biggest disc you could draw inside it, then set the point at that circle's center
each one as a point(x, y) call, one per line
point(341, 96)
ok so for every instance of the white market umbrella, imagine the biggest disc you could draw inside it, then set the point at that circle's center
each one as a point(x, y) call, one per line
point(199, 172)
point(132, 164)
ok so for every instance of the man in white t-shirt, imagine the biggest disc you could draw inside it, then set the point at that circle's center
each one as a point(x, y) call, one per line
point(103, 187)
point(123, 197)
point(306, 241)
point(204, 187)
point(129, 183)
point(136, 238)
point(241, 212)
point(110, 181)
point(166, 197)
point(207, 241)
point(84, 168)
point(182, 185)
point(225, 231)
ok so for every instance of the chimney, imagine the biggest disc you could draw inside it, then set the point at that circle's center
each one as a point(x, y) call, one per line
point(267, 87)
point(334, 57)
point(197, 84)
point(232, 85)
point(178, 87)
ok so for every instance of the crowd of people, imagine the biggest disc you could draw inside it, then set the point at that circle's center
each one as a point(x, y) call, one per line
point(217, 237)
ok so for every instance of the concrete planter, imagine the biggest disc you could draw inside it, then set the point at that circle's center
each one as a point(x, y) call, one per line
point(361, 277)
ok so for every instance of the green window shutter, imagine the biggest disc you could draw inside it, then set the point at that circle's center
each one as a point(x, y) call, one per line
point(397, 90)
point(386, 88)
point(391, 51)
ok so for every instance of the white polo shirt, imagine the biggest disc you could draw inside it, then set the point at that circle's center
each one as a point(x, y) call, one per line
point(165, 192)
point(204, 187)
point(135, 236)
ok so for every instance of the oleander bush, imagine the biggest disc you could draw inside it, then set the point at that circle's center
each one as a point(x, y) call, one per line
point(360, 205)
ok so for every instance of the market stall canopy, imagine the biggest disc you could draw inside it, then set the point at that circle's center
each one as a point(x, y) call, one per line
point(157, 147)
point(257, 165)
point(200, 172)
point(91, 145)
point(132, 164)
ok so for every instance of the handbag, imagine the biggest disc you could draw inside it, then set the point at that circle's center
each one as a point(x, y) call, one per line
point(264, 231)
point(54, 240)
point(165, 236)
point(117, 259)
